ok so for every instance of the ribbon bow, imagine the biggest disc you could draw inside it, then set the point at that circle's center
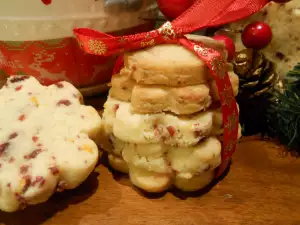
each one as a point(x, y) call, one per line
point(202, 14)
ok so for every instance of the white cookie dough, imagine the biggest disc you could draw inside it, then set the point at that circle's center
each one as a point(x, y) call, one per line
point(46, 141)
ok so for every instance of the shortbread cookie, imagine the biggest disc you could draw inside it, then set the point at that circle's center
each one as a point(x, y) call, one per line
point(45, 141)
point(218, 128)
point(181, 165)
point(160, 98)
point(118, 163)
point(180, 100)
point(154, 128)
point(121, 87)
point(161, 158)
point(149, 181)
point(284, 48)
point(167, 64)
point(202, 157)
point(194, 183)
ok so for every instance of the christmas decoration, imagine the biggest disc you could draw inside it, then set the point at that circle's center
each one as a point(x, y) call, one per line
point(257, 78)
point(257, 74)
point(173, 32)
point(174, 8)
point(229, 44)
point(283, 114)
point(284, 20)
point(179, 119)
point(257, 35)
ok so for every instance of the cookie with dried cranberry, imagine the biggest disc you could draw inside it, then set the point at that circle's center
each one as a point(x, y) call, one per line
point(170, 129)
point(47, 141)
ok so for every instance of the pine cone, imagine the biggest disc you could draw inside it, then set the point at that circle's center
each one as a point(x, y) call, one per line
point(257, 74)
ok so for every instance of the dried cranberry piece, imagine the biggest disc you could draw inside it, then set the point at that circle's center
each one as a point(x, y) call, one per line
point(24, 169)
point(27, 184)
point(171, 130)
point(21, 199)
point(65, 102)
point(59, 85)
point(13, 135)
point(18, 79)
point(19, 88)
point(54, 170)
point(22, 117)
point(35, 139)
point(3, 147)
point(33, 154)
point(62, 185)
point(8, 185)
point(40, 180)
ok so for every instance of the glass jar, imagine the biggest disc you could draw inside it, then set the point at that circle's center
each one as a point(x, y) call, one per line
point(36, 37)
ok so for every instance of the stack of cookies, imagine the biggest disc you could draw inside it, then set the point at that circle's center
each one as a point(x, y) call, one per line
point(162, 122)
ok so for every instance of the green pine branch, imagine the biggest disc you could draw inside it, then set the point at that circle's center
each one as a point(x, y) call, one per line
point(283, 113)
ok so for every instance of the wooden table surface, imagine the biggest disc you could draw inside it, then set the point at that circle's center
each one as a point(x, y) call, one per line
point(262, 187)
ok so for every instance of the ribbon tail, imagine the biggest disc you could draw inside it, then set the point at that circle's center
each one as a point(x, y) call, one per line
point(102, 44)
point(218, 70)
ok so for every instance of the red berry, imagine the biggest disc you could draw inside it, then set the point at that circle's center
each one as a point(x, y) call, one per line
point(257, 35)
point(229, 44)
point(174, 8)
point(47, 2)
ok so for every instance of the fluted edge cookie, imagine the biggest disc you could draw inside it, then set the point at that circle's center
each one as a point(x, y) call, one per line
point(153, 128)
point(46, 141)
point(159, 98)
point(179, 166)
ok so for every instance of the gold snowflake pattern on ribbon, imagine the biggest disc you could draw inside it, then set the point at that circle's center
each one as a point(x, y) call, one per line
point(97, 47)
point(123, 41)
point(147, 43)
point(167, 31)
point(232, 121)
point(227, 96)
point(219, 67)
point(231, 144)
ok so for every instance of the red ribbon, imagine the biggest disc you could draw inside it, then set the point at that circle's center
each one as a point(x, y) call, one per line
point(202, 14)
